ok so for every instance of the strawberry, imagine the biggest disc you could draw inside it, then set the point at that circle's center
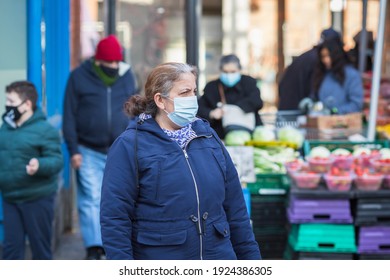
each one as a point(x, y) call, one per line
point(335, 171)
point(359, 171)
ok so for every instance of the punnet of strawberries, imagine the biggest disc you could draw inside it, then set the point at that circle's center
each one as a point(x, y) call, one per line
point(364, 156)
point(320, 164)
point(381, 165)
point(338, 179)
point(367, 179)
point(342, 158)
point(306, 179)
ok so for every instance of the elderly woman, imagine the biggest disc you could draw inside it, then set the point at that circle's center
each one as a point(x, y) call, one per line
point(170, 189)
point(232, 90)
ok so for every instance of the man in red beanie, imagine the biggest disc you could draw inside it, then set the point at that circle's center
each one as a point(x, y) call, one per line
point(93, 118)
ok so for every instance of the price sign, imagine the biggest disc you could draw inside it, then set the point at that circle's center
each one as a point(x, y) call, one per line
point(242, 157)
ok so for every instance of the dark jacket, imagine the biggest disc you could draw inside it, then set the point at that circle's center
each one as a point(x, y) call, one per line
point(189, 205)
point(93, 112)
point(296, 81)
point(35, 138)
point(245, 94)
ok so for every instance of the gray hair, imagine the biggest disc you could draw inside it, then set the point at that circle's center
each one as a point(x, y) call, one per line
point(161, 79)
point(172, 75)
point(230, 58)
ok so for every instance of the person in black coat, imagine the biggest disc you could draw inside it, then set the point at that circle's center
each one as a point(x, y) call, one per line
point(238, 89)
point(295, 83)
point(354, 52)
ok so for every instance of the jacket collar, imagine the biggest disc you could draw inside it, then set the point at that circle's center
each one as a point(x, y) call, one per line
point(37, 115)
point(123, 67)
point(200, 126)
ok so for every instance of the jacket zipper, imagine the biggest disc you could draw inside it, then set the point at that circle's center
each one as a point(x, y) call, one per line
point(196, 220)
point(109, 114)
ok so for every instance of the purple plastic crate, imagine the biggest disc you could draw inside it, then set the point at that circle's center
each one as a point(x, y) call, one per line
point(374, 240)
point(319, 211)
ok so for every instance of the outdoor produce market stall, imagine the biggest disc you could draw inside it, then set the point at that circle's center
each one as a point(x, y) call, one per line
point(322, 199)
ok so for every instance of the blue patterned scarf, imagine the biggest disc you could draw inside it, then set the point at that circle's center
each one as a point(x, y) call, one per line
point(181, 136)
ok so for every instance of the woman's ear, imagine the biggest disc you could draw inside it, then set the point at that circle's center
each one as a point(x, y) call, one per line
point(158, 99)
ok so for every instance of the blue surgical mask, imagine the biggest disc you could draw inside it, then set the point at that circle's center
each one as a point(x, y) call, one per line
point(185, 111)
point(230, 79)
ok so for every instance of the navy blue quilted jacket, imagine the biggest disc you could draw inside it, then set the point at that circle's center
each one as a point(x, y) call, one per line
point(93, 112)
point(189, 204)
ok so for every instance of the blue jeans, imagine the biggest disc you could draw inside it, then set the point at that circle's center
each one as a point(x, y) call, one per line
point(33, 219)
point(89, 184)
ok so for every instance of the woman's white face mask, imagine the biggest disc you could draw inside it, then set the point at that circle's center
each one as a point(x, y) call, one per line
point(185, 110)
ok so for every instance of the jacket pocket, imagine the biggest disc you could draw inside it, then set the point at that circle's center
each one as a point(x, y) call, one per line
point(150, 176)
point(219, 245)
point(221, 163)
point(222, 229)
point(162, 238)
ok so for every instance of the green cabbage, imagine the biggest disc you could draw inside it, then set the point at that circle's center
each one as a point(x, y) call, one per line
point(292, 135)
point(262, 133)
point(237, 138)
point(319, 151)
point(361, 150)
point(341, 152)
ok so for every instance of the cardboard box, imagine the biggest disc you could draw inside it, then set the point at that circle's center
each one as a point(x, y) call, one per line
point(334, 126)
point(349, 121)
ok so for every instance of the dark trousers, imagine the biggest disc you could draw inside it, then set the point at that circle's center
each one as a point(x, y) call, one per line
point(33, 219)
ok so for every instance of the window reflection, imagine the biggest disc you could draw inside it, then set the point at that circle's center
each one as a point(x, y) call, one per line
point(150, 31)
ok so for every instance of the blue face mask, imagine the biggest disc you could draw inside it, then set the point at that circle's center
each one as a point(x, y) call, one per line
point(230, 79)
point(185, 111)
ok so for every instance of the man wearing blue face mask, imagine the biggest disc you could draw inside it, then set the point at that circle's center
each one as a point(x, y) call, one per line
point(232, 88)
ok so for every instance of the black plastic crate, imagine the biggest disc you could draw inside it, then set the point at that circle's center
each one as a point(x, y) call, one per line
point(373, 256)
point(271, 232)
point(373, 211)
point(272, 248)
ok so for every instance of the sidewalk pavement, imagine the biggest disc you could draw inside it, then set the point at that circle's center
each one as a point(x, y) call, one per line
point(70, 246)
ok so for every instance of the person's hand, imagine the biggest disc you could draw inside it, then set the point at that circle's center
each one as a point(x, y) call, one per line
point(306, 104)
point(32, 166)
point(216, 114)
point(76, 161)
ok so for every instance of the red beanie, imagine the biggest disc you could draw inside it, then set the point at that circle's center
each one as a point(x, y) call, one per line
point(109, 49)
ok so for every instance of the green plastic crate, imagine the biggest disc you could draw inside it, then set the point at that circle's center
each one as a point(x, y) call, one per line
point(323, 238)
point(290, 254)
point(332, 145)
point(270, 184)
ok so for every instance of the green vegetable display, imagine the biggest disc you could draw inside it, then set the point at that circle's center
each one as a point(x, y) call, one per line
point(291, 134)
point(272, 160)
point(262, 133)
point(237, 138)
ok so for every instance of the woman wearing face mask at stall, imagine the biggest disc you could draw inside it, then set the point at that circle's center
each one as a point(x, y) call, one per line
point(336, 83)
point(170, 189)
point(232, 88)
